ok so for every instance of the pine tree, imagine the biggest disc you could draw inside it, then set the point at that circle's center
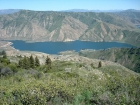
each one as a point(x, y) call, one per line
point(20, 63)
point(100, 64)
point(4, 54)
point(26, 63)
point(37, 63)
point(48, 62)
point(32, 62)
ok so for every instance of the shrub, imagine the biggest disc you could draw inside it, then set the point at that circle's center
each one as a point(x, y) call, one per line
point(39, 75)
point(6, 71)
point(92, 65)
point(100, 64)
point(13, 67)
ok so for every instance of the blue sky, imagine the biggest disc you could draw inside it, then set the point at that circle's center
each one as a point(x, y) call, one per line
point(57, 5)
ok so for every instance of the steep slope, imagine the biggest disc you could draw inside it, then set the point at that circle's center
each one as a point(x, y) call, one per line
point(128, 57)
point(40, 26)
point(67, 26)
point(131, 15)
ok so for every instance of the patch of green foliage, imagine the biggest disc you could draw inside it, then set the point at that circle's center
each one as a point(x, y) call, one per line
point(128, 57)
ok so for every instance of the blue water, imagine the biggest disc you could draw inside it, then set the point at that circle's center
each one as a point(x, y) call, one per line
point(138, 26)
point(56, 47)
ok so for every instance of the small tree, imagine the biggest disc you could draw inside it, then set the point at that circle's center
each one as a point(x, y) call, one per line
point(100, 64)
point(4, 59)
point(26, 63)
point(32, 62)
point(92, 65)
point(37, 63)
point(4, 54)
point(48, 62)
point(20, 63)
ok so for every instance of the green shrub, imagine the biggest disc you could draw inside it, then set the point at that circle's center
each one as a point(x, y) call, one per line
point(39, 75)
point(6, 71)
point(100, 64)
point(13, 67)
point(92, 65)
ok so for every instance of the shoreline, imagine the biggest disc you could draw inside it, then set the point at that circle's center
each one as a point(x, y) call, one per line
point(6, 44)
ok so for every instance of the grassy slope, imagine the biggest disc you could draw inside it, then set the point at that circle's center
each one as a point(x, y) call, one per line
point(128, 57)
point(85, 84)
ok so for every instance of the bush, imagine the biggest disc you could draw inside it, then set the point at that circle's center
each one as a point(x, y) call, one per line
point(5, 61)
point(92, 65)
point(39, 75)
point(6, 71)
point(13, 67)
point(81, 65)
point(100, 64)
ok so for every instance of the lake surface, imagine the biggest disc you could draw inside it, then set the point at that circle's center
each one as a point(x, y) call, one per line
point(138, 26)
point(56, 47)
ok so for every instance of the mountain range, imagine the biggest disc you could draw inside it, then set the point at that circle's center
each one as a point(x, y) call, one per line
point(8, 11)
point(68, 26)
point(85, 10)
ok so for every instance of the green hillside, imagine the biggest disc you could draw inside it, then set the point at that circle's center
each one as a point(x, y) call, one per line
point(66, 82)
point(68, 26)
point(128, 57)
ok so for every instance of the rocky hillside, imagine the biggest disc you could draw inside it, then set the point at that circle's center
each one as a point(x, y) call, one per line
point(68, 26)
point(131, 15)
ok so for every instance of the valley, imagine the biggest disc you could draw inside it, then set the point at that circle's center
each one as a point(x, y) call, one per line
point(38, 26)
point(84, 77)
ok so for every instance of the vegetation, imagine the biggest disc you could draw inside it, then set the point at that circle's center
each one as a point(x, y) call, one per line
point(37, 63)
point(48, 63)
point(41, 85)
point(32, 62)
point(100, 64)
point(28, 62)
point(128, 57)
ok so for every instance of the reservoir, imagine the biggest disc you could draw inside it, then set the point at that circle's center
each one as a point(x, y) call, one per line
point(56, 47)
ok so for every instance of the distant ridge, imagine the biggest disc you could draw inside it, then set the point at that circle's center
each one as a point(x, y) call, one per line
point(85, 10)
point(9, 11)
point(131, 10)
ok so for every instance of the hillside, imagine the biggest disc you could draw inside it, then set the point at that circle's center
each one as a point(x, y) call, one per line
point(128, 57)
point(68, 79)
point(67, 26)
point(131, 15)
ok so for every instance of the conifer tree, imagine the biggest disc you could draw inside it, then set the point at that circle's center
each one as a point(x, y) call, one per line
point(48, 62)
point(32, 62)
point(4, 54)
point(100, 64)
point(26, 62)
point(37, 63)
point(20, 63)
